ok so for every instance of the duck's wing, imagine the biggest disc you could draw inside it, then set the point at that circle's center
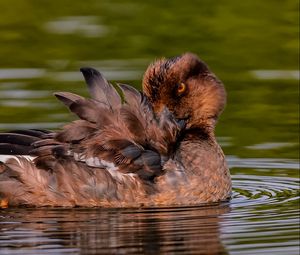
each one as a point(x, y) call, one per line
point(126, 138)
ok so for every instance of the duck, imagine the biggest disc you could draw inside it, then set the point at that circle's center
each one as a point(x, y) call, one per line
point(128, 148)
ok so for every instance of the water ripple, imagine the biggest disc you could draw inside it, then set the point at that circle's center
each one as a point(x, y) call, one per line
point(253, 190)
point(265, 163)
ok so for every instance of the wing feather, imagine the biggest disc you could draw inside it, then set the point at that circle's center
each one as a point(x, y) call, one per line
point(100, 89)
point(124, 137)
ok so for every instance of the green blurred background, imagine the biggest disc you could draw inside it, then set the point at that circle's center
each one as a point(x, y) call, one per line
point(253, 46)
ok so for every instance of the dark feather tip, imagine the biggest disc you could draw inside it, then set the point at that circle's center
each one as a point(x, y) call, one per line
point(67, 98)
point(90, 73)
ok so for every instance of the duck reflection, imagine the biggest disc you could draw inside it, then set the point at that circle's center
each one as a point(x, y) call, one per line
point(190, 230)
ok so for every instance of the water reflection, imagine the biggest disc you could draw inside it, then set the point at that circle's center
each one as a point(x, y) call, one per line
point(101, 231)
point(262, 163)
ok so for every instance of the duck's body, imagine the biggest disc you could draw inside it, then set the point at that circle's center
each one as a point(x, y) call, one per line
point(157, 148)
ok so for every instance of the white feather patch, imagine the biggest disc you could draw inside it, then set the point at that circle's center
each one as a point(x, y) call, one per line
point(110, 167)
point(78, 156)
point(4, 158)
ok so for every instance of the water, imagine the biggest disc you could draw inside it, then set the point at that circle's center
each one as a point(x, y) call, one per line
point(251, 45)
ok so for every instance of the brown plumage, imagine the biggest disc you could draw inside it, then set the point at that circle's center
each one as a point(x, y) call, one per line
point(155, 148)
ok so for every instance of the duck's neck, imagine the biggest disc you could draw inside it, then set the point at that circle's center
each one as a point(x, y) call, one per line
point(204, 161)
point(198, 133)
point(200, 152)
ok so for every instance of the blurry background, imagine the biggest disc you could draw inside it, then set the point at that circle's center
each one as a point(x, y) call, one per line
point(252, 46)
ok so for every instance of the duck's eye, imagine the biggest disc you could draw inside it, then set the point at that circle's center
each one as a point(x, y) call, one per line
point(181, 88)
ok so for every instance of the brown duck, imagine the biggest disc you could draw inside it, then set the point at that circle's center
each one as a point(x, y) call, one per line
point(150, 148)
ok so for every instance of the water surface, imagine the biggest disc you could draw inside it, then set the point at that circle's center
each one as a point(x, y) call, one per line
point(253, 46)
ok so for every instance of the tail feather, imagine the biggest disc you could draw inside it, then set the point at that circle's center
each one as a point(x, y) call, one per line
point(14, 149)
point(19, 139)
point(32, 132)
point(18, 143)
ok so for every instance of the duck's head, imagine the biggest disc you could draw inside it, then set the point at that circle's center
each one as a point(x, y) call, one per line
point(187, 87)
